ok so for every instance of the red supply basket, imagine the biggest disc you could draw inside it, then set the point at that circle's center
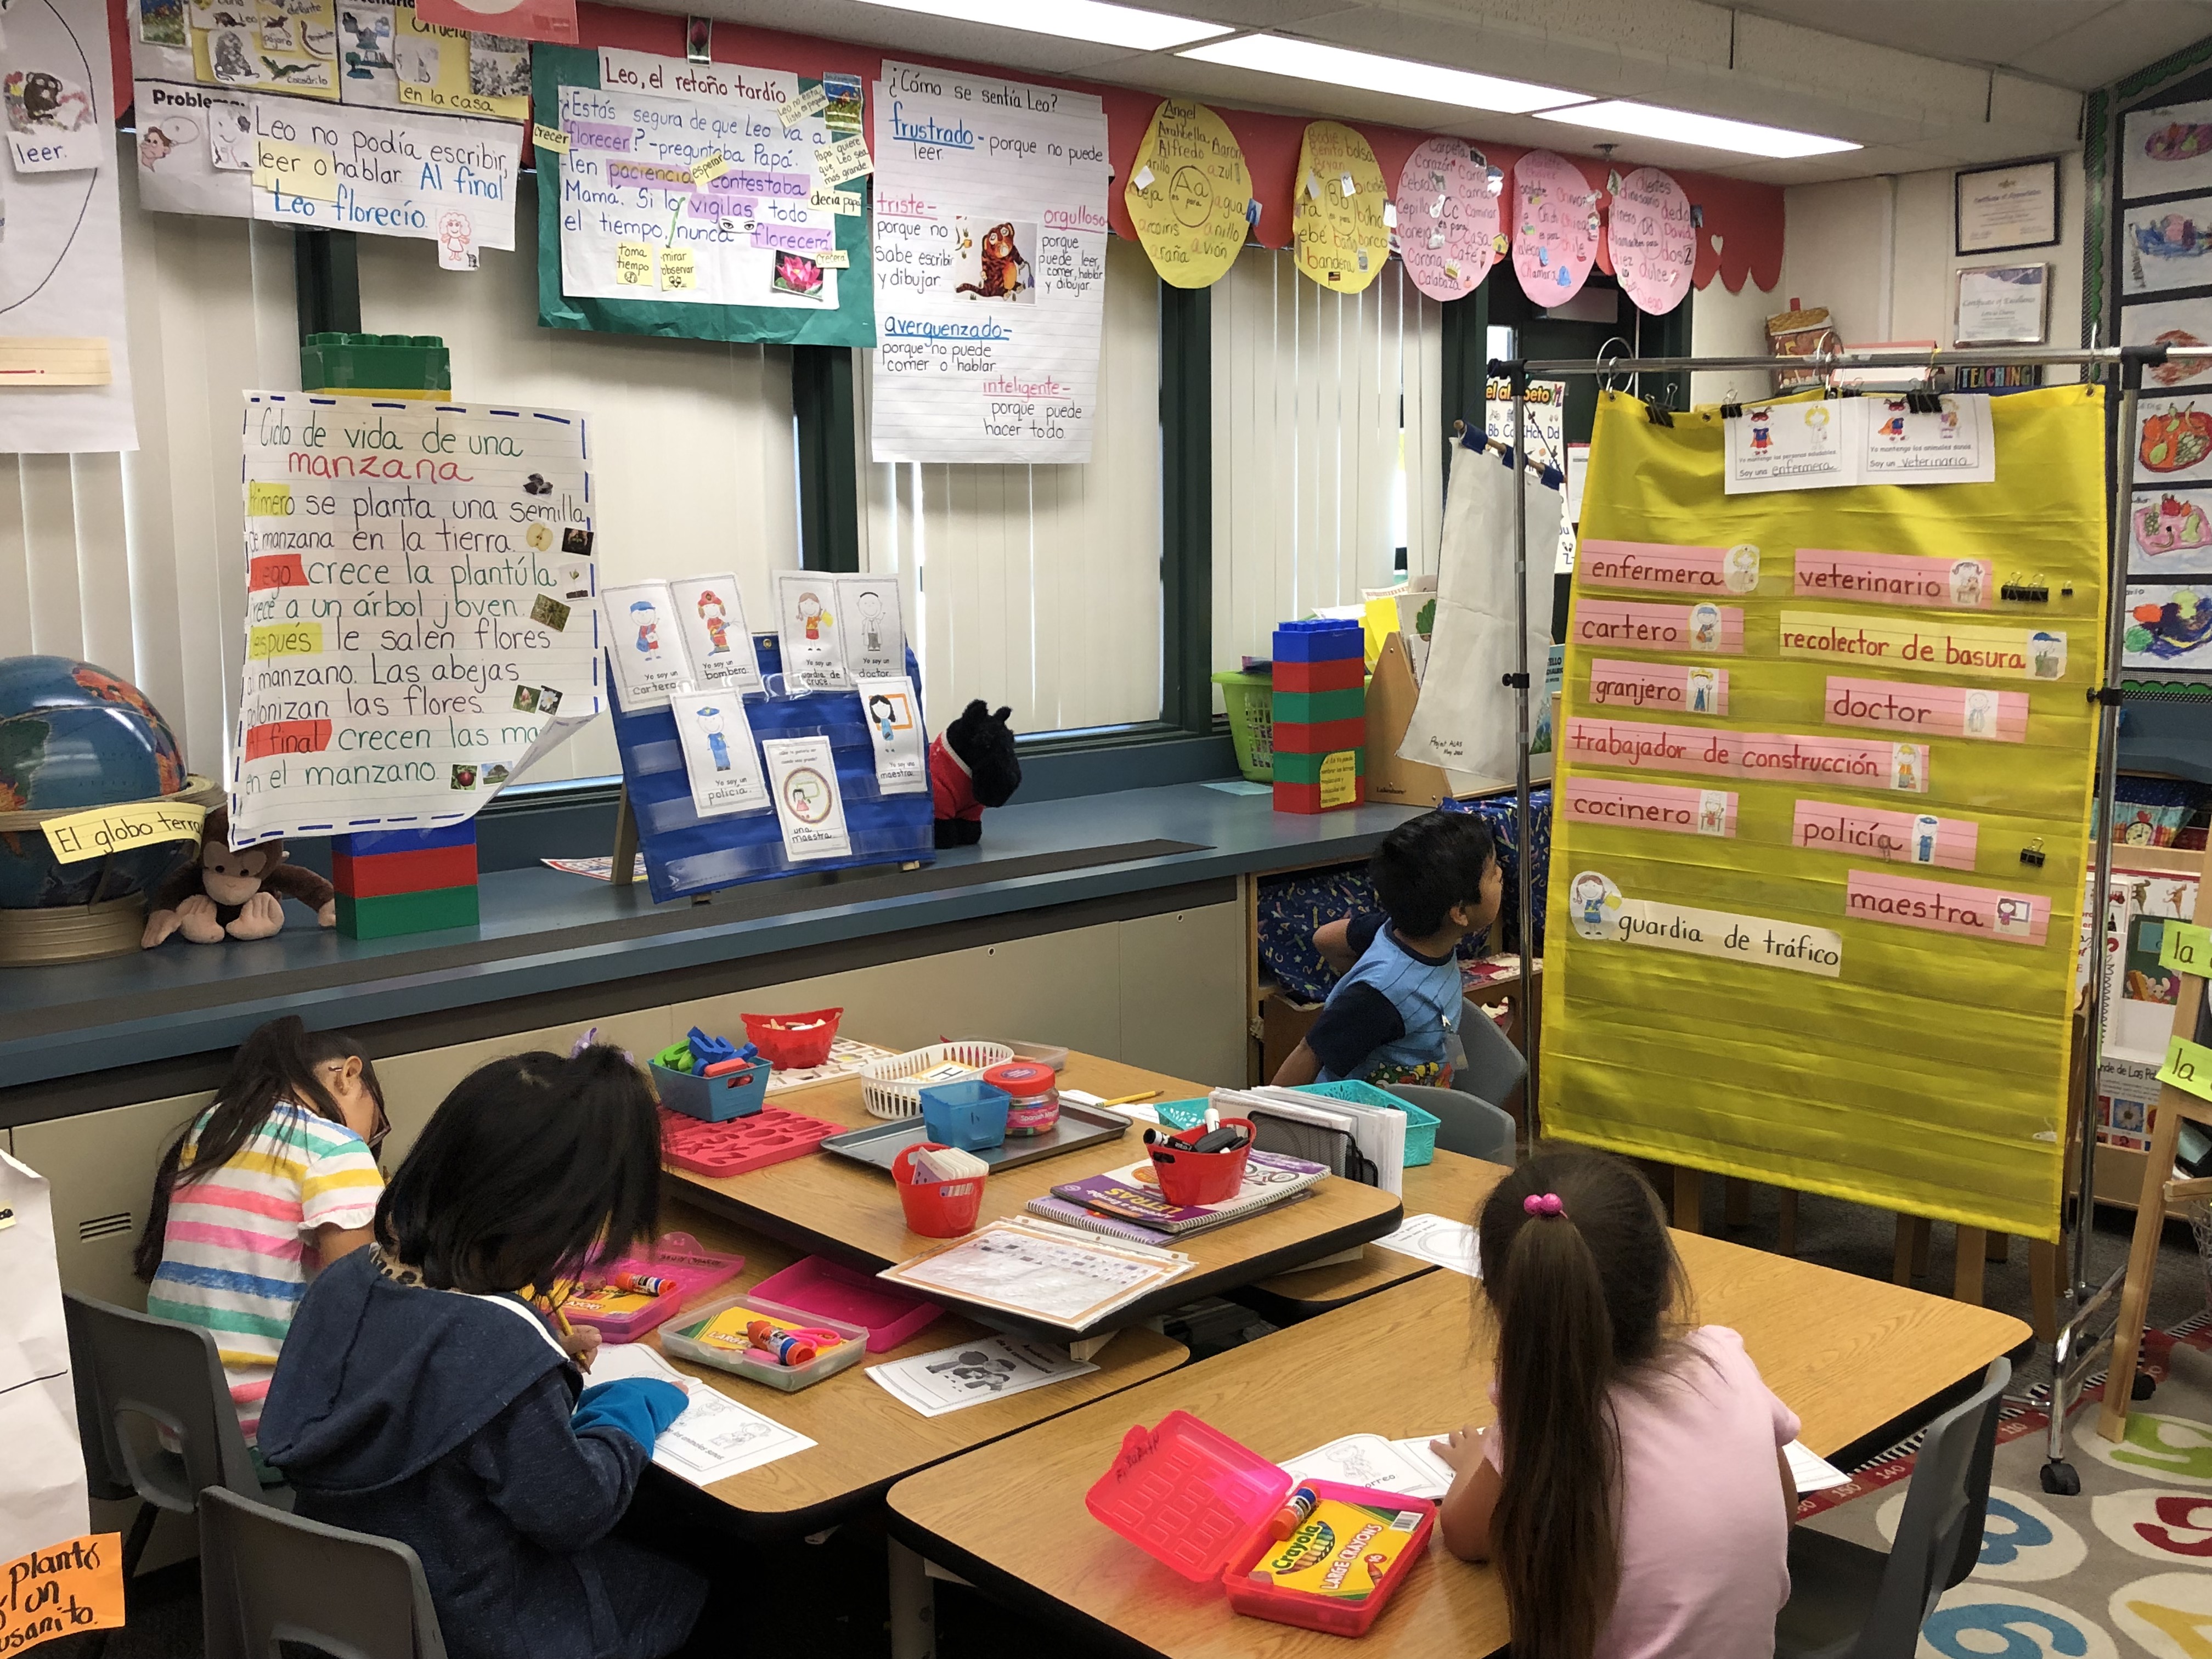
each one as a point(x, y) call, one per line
point(794, 1042)
point(1201, 1177)
point(936, 1209)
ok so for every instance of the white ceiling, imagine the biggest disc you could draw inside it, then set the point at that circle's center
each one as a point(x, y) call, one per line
point(1919, 83)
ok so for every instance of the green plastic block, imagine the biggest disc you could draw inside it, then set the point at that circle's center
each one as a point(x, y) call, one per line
point(416, 363)
point(392, 913)
point(1306, 769)
point(1318, 707)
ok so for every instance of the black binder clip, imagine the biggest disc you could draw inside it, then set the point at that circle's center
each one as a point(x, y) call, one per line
point(1659, 414)
point(1731, 411)
point(2032, 590)
point(2031, 855)
point(1922, 402)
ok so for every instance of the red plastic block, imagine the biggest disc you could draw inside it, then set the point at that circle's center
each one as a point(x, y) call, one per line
point(739, 1144)
point(1325, 737)
point(1340, 674)
point(1306, 797)
point(373, 875)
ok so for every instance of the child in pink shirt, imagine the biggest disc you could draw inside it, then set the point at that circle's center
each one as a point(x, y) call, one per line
point(1633, 1491)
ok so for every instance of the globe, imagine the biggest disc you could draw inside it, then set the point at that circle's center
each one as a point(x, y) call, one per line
point(72, 735)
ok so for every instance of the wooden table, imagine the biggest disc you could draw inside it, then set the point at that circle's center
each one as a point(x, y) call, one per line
point(1848, 1354)
point(831, 1205)
point(864, 1439)
point(1451, 1186)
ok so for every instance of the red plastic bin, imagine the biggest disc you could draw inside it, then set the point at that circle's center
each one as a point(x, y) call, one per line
point(740, 1143)
point(673, 1256)
point(1202, 1177)
point(936, 1209)
point(794, 1042)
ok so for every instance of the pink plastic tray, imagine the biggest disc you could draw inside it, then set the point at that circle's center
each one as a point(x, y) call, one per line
point(816, 1285)
point(676, 1255)
point(769, 1136)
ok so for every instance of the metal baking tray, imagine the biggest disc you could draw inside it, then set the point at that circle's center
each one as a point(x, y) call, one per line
point(1079, 1126)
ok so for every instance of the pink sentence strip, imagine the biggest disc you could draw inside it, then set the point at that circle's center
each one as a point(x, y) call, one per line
point(1658, 564)
point(1825, 826)
point(1675, 688)
point(1643, 746)
point(1623, 805)
point(1944, 907)
point(1896, 579)
point(1623, 624)
point(1942, 711)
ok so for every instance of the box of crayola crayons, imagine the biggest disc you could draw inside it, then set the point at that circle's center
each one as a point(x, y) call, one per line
point(1314, 1553)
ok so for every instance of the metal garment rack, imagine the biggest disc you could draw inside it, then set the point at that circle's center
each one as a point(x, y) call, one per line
point(2079, 1345)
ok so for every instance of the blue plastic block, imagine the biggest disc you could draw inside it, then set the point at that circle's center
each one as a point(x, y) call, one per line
point(1324, 639)
point(366, 843)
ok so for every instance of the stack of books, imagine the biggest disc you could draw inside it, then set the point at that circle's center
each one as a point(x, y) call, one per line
point(1127, 1203)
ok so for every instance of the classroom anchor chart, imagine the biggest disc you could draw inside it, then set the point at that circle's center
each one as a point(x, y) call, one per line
point(420, 606)
point(990, 251)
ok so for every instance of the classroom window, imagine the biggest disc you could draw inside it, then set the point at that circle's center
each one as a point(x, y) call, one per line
point(693, 464)
point(1038, 586)
point(1328, 444)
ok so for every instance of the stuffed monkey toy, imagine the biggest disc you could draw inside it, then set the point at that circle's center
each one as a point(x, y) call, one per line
point(972, 765)
point(225, 895)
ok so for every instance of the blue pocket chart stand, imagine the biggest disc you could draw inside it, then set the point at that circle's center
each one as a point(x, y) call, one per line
point(687, 854)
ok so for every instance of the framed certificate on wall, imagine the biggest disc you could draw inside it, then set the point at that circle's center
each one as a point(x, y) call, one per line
point(2002, 305)
point(1997, 210)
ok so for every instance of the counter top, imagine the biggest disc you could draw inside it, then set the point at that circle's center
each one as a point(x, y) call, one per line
point(544, 930)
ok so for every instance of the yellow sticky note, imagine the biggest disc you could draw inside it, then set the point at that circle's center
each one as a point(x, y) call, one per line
point(844, 203)
point(1340, 778)
point(678, 273)
point(550, 138)
point(2186, 949)
point(845, 159)
point(707, 168)
point(113, 828)
point(268, 500)
point(832, 259)
point(297, 170)
point(2188, 1068)
point(297, 638)
point(813, 101)
point(634, 265)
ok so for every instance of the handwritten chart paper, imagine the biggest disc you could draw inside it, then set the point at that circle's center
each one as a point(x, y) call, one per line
point(1654, 244)
point(1555, 226)
point(1449, 222)
point(990, 251)
point(412, 622)
point(1336, 209)
point(1188, 194)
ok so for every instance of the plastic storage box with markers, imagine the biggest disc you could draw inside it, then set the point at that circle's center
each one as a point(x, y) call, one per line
point(728, 1334)
point(630, 1296)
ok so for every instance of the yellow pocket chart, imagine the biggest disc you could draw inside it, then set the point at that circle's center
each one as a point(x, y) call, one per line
point(1925, 1070)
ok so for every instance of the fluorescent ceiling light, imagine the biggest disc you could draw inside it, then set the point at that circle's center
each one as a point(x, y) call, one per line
point(1713, 131)
point(1072, 19)
point(1308, 60)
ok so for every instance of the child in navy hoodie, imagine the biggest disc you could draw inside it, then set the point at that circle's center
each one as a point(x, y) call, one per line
point(422, 1398)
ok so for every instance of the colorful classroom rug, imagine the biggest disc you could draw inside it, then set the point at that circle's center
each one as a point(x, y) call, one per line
point(2122, 1570)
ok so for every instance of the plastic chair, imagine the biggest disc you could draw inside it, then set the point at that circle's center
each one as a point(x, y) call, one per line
point(1494, 1067)
point(1847, 1602)
point(1471, 1127)
point(267, 1576)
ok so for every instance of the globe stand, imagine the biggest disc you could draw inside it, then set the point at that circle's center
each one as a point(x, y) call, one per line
point(77, 933)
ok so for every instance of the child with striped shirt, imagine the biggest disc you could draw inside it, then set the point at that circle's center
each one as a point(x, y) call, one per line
point(272, 1183)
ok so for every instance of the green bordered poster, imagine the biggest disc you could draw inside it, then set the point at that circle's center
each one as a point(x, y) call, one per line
point(684, 206)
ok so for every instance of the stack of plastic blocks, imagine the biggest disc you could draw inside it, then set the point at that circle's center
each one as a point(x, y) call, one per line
point(405, 881)
point(1321, 715)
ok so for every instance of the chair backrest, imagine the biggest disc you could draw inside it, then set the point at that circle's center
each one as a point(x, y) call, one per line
point(1939, 1535)
point(1471, 1127)
point(267, 1576)
point(167, 1375)
point(1494, 1067)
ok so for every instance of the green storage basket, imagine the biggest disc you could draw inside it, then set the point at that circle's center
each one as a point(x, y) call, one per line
point(1250, 699)
point(1421, 1126)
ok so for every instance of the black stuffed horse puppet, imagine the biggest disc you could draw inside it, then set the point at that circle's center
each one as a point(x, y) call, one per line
point(972, 765)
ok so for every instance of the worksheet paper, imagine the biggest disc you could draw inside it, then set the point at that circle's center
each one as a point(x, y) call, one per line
point(1810, 1471)
point(1041, 1271)
point(1368, 1460)
point(707, 200)
point(895, 728)
point(723, 767)
point(716, 1437)
point(990, 266)
point(802, 775)
point(1439, 1240)
point(989, 1368)
point(413, 623)
point(712, 617)
point(645, 645)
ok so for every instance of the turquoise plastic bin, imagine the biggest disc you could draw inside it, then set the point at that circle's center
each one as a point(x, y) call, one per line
point(1421, 1126)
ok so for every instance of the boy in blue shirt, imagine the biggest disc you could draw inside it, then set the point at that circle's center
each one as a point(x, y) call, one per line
point(1394, 1016)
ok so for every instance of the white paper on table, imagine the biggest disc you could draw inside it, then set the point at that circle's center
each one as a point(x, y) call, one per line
point(895, 729)
point(712, 615)
point(1810, 1472)
point(989, 1368)
point(871, 626)
point(720, 761)
point(1440, 1240)
point(1369, 1460)
point(1023, 1266)
point(645, 647)
point(802, 776)
point(716, 1437)
point(806, 606)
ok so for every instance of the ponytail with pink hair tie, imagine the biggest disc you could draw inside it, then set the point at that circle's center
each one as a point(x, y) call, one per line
point(1542, 1204)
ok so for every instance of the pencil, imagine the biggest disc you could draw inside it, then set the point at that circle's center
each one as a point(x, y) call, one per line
point(1132, 1100)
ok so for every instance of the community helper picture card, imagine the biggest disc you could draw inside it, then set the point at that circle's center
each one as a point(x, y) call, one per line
point(645, 647)
point(895, 728)
point(806, 604)
point(868, 618)
point(720, 645)
point(802, 776)
point(718, 757)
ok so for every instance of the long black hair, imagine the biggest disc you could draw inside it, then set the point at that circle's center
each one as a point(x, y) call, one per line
point(281, 1061)
point(1583, 1298)
point(534, 1169)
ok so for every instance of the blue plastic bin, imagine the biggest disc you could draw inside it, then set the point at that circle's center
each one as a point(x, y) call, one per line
point(713, 1099)
point(970, 1114)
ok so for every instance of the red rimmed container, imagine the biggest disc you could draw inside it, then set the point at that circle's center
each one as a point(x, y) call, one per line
point(1032, 1095)
point(1201, 1177)
point(936, 1209)
point(791, 1043)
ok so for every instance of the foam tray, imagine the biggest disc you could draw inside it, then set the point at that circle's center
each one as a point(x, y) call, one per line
point(771, 1135)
